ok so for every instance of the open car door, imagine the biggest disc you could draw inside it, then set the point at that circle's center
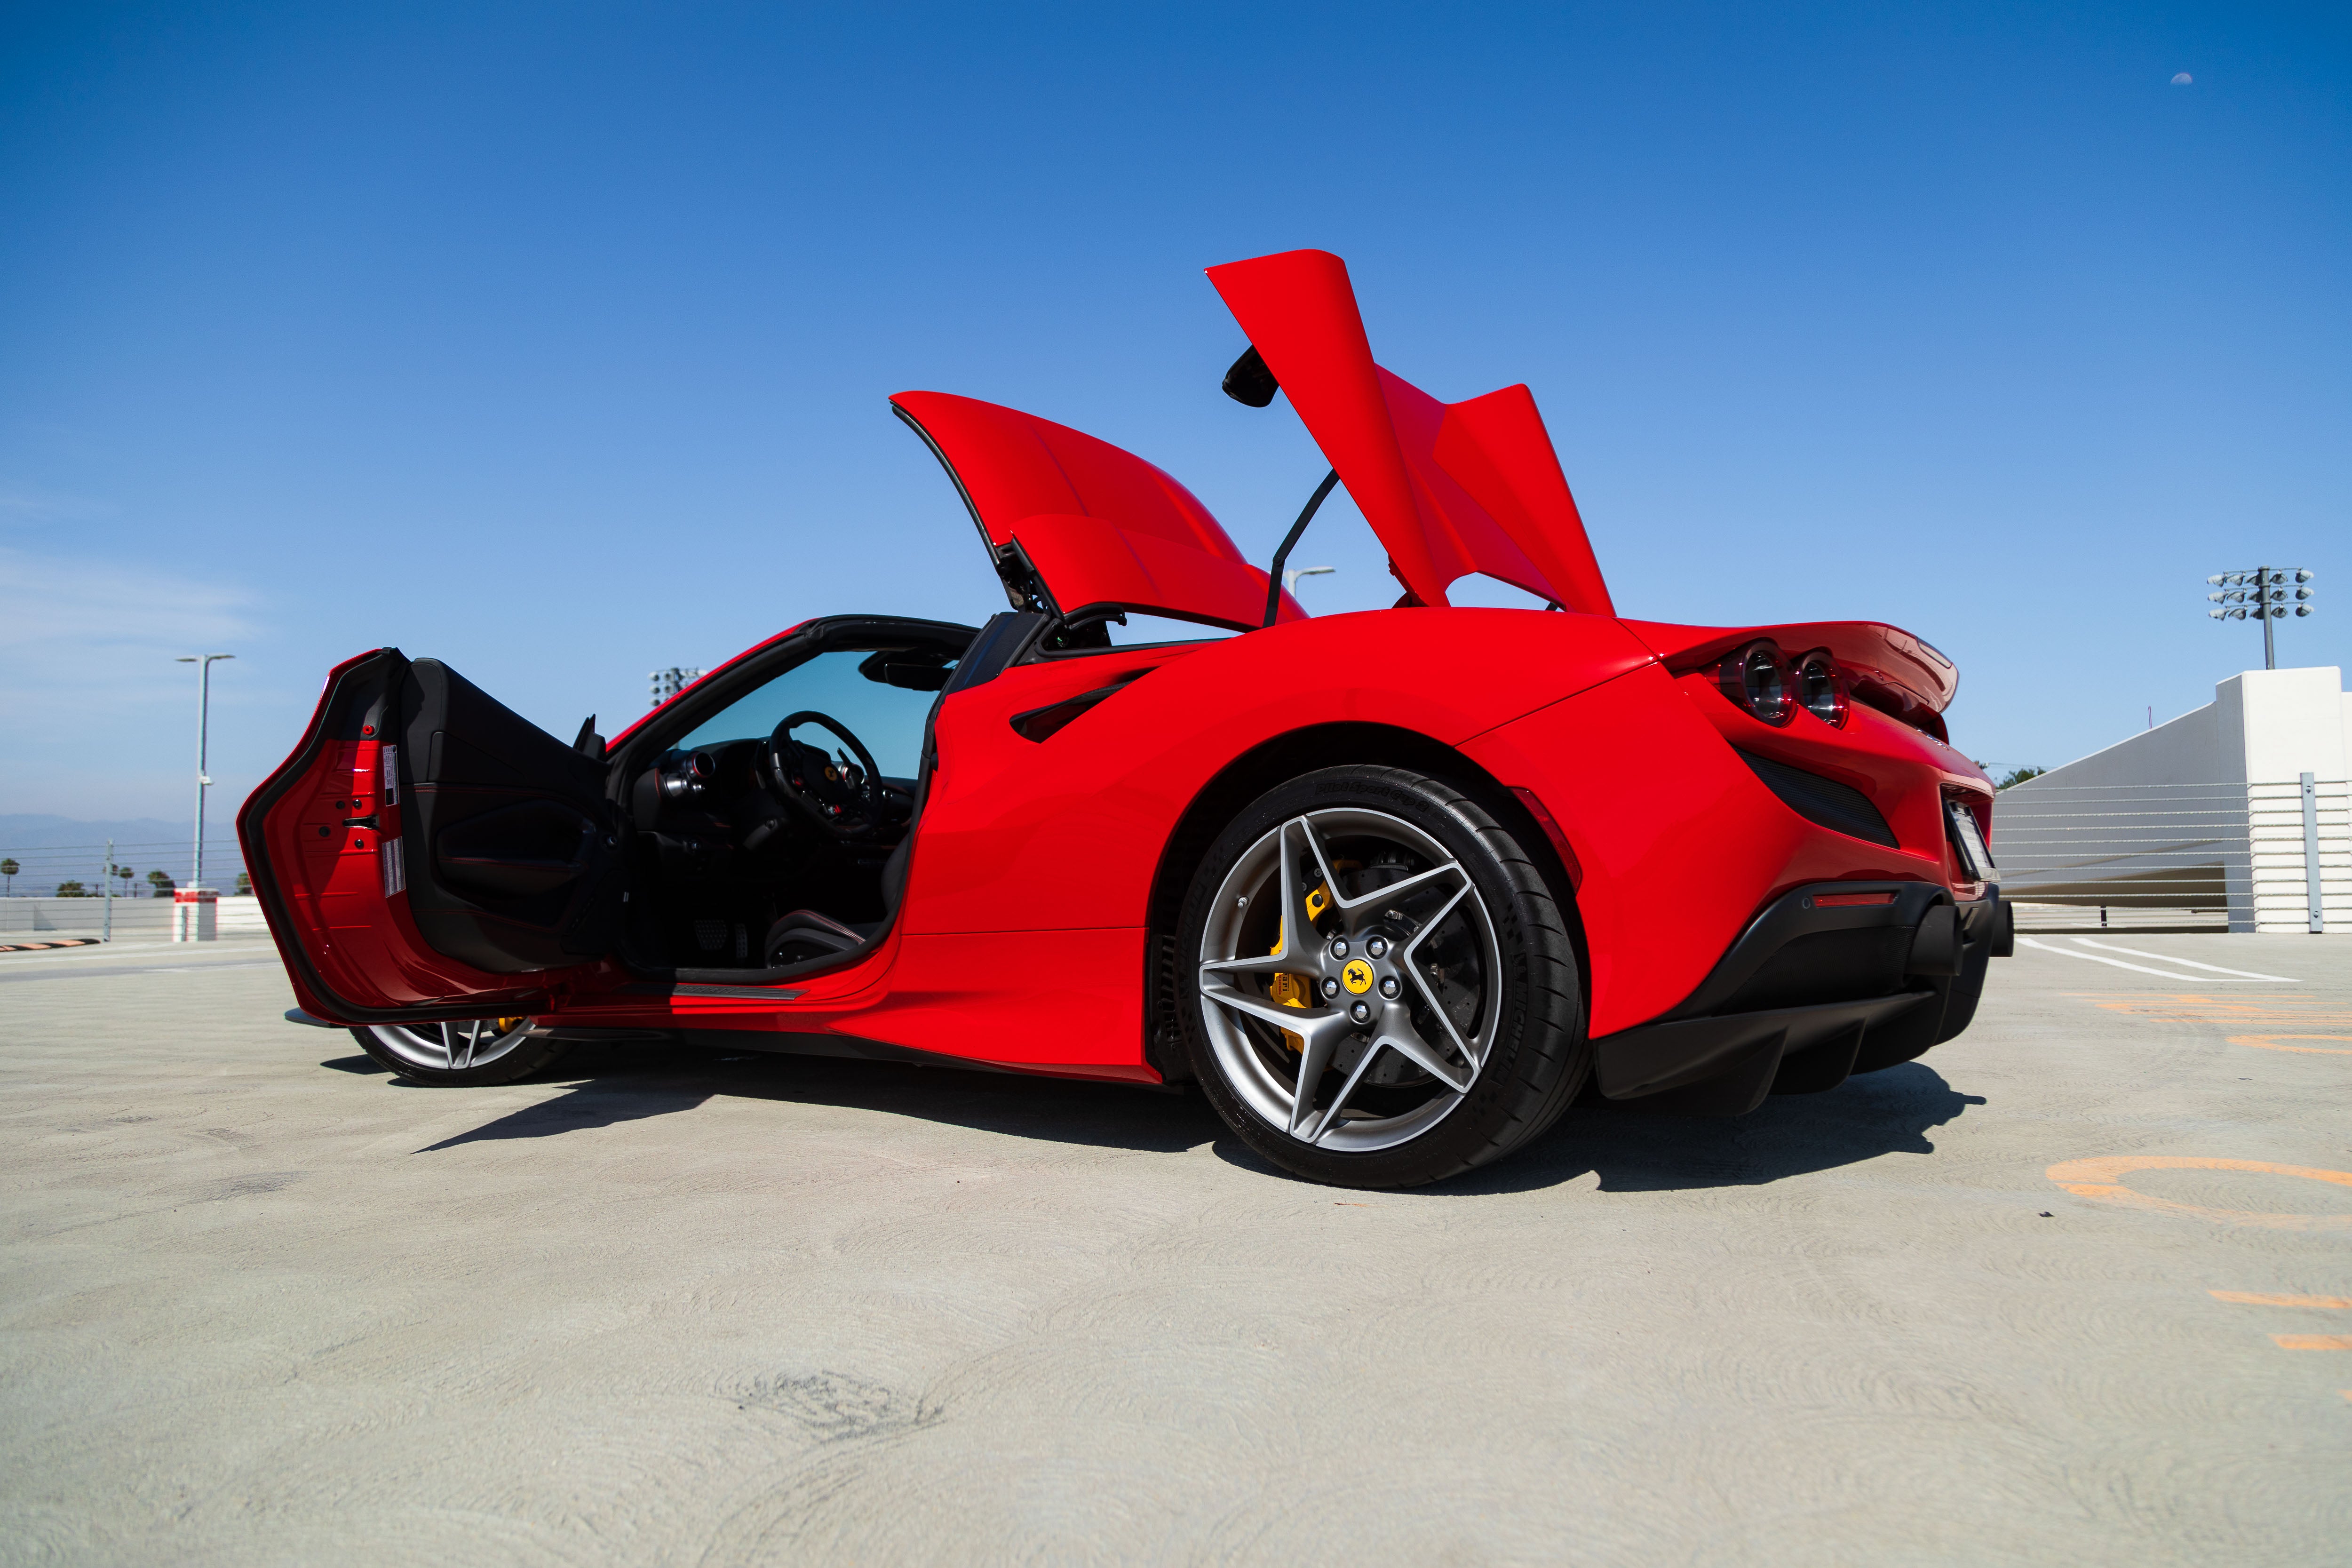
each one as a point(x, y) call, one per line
point(427, 853)
point(1075, 524)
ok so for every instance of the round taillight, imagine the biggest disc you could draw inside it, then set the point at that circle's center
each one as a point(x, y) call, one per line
point(1821, 687)
point(1757, 679)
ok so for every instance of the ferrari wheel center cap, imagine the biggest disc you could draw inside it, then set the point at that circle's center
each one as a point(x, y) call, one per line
point(1358, 977)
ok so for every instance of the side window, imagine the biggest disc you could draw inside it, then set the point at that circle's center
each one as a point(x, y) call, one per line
point(854, 689)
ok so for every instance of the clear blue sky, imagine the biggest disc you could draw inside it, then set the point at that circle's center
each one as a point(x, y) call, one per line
point(555, 341)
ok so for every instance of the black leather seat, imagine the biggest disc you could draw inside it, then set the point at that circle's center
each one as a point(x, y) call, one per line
point(804, 935)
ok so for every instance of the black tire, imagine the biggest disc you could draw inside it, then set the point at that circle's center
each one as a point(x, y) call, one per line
point(1531, 1051)
point(406, 1054)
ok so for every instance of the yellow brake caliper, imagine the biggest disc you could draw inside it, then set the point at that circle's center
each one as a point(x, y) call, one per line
point(1290, 990)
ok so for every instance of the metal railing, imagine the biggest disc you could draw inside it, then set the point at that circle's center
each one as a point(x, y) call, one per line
point(2300, 854)
point(42, 869)
point(2265, 855)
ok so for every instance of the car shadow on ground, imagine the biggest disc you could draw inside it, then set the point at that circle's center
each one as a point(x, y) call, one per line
point(1887, 1113)
point(614, 1084)
point(1879, 1113)
point(361, 1063)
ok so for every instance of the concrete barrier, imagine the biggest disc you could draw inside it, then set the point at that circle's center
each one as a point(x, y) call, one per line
point(133, 917)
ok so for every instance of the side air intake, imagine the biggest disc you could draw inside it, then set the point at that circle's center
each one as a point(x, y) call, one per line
point(1839, 807)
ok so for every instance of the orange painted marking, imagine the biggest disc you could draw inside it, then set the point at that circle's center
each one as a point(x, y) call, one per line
point(2255, 1299)
point(2270, 1043)
point(2099, 1178)
point(2190, 1007)
point(2312, 1342)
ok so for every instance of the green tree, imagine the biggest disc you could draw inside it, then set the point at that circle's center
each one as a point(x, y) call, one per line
point(160, 882)
point(2017, 776)
point(72, 889)
point(8, 869)
point(244, 885)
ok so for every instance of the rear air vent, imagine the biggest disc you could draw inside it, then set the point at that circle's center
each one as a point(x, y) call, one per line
point(1838, 808)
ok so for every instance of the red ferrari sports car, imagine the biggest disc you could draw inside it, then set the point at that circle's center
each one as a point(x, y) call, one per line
point(1392, 888)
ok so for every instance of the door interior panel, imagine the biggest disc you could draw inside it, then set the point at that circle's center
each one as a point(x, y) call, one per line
point(518, 851)
point(513, 866)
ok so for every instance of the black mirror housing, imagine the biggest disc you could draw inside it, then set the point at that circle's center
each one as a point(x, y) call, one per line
point(1250, 381)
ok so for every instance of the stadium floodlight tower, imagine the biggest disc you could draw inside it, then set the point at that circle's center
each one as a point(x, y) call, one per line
point(668, 683)
point(2267, 594)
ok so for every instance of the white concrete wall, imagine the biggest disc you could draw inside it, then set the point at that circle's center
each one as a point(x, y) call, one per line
point(2287, 722)
point(133, 917)
point(2292, 721)
point(2189, 750)
point(2205, 811)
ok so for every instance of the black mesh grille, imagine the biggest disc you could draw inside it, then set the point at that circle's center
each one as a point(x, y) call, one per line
point(1841, 808)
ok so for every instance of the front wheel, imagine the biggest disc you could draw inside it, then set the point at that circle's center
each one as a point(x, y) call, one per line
point(1386, 992)
point(474, 1051)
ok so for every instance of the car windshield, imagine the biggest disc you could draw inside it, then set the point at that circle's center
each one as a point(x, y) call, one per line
point(844, 686)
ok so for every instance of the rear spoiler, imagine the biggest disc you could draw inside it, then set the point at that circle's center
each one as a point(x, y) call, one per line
point(1902, 676)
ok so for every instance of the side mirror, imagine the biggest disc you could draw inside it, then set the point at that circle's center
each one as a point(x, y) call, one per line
point(1250, 381)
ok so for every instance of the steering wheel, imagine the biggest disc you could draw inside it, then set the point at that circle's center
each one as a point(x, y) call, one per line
point(844, 799)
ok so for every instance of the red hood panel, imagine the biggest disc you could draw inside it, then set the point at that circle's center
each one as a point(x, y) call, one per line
point(1094, 525)
point(1451, 488)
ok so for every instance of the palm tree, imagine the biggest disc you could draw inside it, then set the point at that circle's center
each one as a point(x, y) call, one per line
point(160, 882)
point(8, 869)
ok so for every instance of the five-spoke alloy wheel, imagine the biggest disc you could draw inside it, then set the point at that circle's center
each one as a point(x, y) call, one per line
point(471, 1051)
point(1386, 991)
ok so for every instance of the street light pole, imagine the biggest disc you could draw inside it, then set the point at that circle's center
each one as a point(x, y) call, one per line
point(203, 726)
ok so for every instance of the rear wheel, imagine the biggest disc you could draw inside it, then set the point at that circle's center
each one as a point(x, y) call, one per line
point(1386, 993)
point(472, 1051)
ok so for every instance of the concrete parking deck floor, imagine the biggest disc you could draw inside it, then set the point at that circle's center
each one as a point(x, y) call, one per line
point(264, 1305)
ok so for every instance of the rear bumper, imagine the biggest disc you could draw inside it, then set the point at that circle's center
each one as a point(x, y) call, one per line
point(1830, 980)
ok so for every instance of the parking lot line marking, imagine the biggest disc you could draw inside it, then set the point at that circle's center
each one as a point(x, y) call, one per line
point(2256, 1299)
point(2312, 1342)
point(2264, 1042)
point(2135, 968)
point(2183, 963)
point(2099, 1178)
